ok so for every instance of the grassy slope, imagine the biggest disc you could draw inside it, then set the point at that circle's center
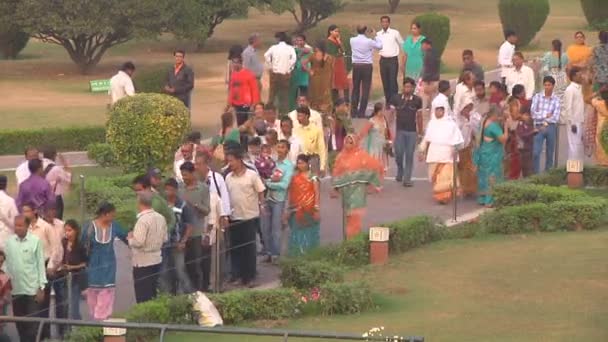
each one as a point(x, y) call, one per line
point(550, 287)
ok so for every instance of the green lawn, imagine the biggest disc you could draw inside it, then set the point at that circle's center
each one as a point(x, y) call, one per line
point(548, 287)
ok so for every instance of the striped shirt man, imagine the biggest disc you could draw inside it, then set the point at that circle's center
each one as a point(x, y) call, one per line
point(545, 109)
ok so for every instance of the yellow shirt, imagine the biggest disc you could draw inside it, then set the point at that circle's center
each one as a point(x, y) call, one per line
point(313, 142)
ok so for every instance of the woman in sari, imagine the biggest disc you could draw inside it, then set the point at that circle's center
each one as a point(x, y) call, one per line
point(516, 105)
point(321, 76)
point(354, 171)
point(303, 211)
point(441, 141)
point(488, 157)
point(376, 134)
point(412, 52)
point(554, 64)
point(579, 54)
point(469, 122)
point(336, 49)
point(300, 76)
point(601, 107)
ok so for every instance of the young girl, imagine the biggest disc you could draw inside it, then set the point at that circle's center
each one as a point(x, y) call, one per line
point(74, 262)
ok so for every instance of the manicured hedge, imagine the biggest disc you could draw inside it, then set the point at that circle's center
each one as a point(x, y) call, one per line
point(116, 190)
point(64, 139)
point(594, 175)
point(519, 193)
point(102, 154)
point(584, 213)
point(309, 274)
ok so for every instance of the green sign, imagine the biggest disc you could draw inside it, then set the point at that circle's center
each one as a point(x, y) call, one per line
point(98, 86)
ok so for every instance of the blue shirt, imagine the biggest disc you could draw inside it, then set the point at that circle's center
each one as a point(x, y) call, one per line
point(363, 49)
point(543, 105)
point(278, 190)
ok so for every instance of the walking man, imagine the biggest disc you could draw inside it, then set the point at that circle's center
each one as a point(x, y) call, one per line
point(430, 74)
point(505, 54)
point(146, 241)
point(545, 113)
point(363, 64)
point(180, 79)
point(280, 59)
point(251, 61)
point(25, 264)
point(389, 57)
point(574, 112)
point(409, 129)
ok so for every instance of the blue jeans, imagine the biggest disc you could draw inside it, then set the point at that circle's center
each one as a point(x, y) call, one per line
point(271, 227)
point(405, 144)
point(547, 134)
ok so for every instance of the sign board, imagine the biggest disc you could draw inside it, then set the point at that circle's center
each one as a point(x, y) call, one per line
point(98, 86)
point(574, 166)
point(115, 331)
point(379, 234)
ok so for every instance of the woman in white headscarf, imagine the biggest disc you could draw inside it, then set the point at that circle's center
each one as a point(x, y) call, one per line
point(440, 144)
point(468, 122)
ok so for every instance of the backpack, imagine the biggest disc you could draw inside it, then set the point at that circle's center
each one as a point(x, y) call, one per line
point(47, 169)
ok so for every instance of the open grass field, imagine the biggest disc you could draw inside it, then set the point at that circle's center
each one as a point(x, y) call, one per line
point(547, 287)
point(44, 89)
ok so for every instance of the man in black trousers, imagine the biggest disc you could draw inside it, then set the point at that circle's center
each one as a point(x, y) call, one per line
point(363, 58)
point(180, 79)
point(389, 57)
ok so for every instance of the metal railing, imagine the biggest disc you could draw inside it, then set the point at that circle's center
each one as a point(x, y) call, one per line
point(164, 328)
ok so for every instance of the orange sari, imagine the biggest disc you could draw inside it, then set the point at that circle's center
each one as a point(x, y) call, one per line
point(304, 228)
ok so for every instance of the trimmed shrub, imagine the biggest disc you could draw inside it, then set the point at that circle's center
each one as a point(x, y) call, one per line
point(583, 213)
point(435, 27)
point(596, 176)
point(151, 79)
point(518, 193)
point(102, 154)
point(12, 42)
point(525, 17)
point(596, 13)
point(248, 305)
point(554, 177)
point(165, 310)
point(116, 190)
point(64, 139)
point(345, 298)
point(413, 232)
point(306, 274)
point(515, 220)
point(144, 130)
point(85, 334)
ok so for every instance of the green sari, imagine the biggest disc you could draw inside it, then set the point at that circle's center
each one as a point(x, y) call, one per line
point(489, 161)
point(299, 78)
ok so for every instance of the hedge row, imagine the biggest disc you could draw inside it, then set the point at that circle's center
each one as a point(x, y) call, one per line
point(64, 139)
point(116, 190)
point(240, 306)
point(520, 193)
point(596, 176)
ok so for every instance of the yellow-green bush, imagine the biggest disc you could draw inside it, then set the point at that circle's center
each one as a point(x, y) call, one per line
point(144, 130)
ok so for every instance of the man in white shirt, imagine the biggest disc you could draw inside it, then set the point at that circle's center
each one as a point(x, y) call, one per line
point(389, 57)
point(295, 144)
point(187, 154)
point(121, 84)
point(8, 212)
point(280, 59)
point(521, 74)
point(574, 112)
point(23, 172)
point(505, 54)
point(442, 100)
point(315, 117)
point(464, 91)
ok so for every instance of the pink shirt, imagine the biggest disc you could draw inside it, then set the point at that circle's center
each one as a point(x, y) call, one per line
point(59, 179)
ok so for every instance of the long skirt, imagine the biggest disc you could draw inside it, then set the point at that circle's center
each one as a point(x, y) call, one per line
point(442, 178)
point(466, 171)
point(304, 234)
point(512, 158)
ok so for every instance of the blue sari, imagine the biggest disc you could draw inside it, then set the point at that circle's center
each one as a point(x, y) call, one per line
point(489, 161)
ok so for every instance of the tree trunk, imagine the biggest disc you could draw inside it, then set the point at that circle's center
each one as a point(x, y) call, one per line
point(392, 6)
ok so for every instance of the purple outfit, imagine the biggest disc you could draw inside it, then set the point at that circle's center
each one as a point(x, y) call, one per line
point(35, 191)
point(265, 166)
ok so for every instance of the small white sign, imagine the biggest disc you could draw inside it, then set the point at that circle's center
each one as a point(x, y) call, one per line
point(115, 331)
point(379, 234)
point(574, 166)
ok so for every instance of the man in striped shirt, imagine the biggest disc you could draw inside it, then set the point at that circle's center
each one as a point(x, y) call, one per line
point(146, 241)
point(545, 112)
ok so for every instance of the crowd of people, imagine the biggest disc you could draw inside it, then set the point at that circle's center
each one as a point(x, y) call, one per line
point(259, 179)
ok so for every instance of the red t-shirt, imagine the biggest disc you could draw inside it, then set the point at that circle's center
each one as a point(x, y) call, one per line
point(243, 88)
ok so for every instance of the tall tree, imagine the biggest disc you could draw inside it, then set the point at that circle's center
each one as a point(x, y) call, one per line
point(392, 5)
point(12, 37)
point(197, 19)
point(307, 13)
point(86, 29)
